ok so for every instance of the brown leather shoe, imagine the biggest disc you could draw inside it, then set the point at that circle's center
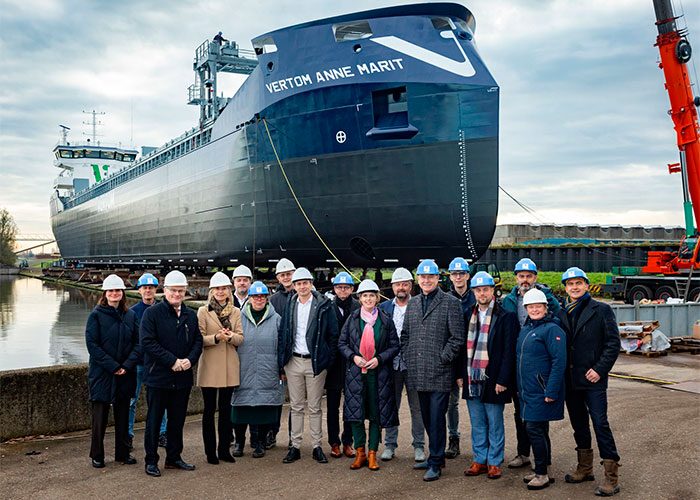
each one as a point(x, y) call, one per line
point(348, 451)
point(494, 472)
point(335, 451)
point(360, 458)
point(372, 460)
point(476, 469)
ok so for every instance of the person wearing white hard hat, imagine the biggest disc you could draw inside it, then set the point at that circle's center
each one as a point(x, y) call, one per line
point(540, 367)
point(369, 343)
point(487, 373)
point(594, 344)
point(283, 271)
point(147, 285)
point(172, 344)
point(344, 305)
point(308, 344)
point(218, 371)
point(111, 336)
point(432, 337)
point(401, 285)
point(242, 278)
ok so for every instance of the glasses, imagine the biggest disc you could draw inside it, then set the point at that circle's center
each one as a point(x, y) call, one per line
point(258, 297)
point(177, 292)
point(458, 273)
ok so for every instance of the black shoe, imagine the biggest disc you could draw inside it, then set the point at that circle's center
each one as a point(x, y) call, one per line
point(225, 456)
point(213, 460)
point(98, 464)
point(238, 449)
point(128, 460)
point(270, 440)
point(131, 443)
point(152, 470)
point(453, 448)
point(259, 451)
point(289, 445)
point(179, 464)
point(163, 441)
point(319, 456)
point(293, 455)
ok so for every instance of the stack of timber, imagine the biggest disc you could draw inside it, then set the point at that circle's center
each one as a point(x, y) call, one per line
point(690, 345)
point(636, 335)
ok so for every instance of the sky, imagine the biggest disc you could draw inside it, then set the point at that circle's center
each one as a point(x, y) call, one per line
point(584, 132)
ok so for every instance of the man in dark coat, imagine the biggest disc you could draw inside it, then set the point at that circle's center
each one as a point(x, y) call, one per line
point(593, 342)
point(487, 367)
point(344, 305)
point(171, 343)
point(433, 334)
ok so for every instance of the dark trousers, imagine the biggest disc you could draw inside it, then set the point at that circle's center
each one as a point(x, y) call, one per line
point(257, 431)
point(538, 433)
point(520, 431)
point(100, 414)
point(333, 397)
point(159, 400)
point(580, 405)
point(433, 409)
point(208, 429)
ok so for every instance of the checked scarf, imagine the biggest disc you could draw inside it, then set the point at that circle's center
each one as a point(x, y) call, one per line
point(223, 312)
point(477, 350)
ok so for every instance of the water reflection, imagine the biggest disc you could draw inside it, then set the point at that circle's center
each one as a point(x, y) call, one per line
point(41, 323)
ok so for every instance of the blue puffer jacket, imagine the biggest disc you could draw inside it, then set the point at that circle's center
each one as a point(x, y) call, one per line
point(386, 349)
point(112, 339)
point(541, 363)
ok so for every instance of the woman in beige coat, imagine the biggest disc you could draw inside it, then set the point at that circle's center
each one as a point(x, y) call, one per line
point(220, 325)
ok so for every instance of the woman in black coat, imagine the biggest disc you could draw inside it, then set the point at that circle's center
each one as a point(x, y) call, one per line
point(369, 342)
point(112, 340)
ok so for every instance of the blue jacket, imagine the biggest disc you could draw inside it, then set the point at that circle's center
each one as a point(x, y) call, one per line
point(386, 349)
point(321, 333)
point(165, 338)
point(138, 310)
point(541, 363)
point(112, 340)
point(510, 301)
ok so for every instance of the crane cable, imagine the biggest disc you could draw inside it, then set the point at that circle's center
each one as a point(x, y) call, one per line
point(303, 212)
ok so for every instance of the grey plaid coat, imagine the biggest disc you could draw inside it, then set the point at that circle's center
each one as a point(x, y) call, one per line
point(430, 343)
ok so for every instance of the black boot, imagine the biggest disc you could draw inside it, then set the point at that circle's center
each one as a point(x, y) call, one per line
point(453, 448)
point(238, 449)
point(259, 450)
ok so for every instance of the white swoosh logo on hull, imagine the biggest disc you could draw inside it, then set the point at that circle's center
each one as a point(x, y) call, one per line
point(461, 68)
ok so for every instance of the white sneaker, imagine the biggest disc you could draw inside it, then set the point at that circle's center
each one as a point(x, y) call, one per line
point(419, 455)
point(387, 455)
point(519, 461)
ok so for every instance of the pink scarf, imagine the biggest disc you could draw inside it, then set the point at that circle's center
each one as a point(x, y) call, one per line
point(367, 341)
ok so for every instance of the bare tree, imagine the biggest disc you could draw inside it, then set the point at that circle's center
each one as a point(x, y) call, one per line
point(8, 232)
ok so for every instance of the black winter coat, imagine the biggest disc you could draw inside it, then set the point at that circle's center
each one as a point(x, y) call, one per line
point(321, 334)
point(335, 378)
point(503, 335)
point(112, 339)
point(594, 343)
point(165, 338)
point(386, 349)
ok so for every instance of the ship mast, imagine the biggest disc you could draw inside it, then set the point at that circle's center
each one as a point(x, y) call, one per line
point(94, 122)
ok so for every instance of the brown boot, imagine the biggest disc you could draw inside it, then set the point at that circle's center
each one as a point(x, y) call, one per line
point(360, 458)
point(584, 469)
point(372, 460)
point(609, 487)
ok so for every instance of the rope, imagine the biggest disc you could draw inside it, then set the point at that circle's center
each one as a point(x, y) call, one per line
point(642, 379)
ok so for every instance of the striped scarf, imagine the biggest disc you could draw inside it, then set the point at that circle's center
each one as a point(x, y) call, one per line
point(477, 350)
point(571, 306)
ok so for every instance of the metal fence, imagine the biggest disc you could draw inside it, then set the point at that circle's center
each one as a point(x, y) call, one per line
point(675, 320)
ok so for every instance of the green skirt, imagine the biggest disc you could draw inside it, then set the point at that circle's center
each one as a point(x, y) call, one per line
point(254, 415)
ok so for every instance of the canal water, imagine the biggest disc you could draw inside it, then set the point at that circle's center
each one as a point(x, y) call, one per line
point(42, 323)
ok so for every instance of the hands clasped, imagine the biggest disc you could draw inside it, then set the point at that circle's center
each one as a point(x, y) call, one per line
point(224, 334)
point(181, 365)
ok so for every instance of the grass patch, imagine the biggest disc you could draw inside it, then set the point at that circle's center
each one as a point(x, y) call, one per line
point(552, 279)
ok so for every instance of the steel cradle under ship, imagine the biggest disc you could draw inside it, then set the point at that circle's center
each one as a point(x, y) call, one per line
point(386, 124)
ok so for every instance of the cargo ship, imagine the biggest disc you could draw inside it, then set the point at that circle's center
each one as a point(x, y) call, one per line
point(381, 125)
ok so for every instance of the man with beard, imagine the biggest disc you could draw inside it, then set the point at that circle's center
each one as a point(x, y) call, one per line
point(344, 305)
point(401, 284)
point(242, 278)
point(526, 279)
point(283, 271)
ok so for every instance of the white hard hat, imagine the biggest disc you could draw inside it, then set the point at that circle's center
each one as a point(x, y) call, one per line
point(284, 265)
point(219, 279)
point(367, 286)
point(534, 296)
point(242, 272)
point(302, 274)
point(175, 278)
point(401, 274)
point(113, 282)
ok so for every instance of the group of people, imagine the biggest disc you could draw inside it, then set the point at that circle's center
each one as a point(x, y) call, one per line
point(250, 344)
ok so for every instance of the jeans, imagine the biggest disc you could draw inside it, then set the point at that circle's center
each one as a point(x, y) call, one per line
point(175, 402)
point(580, 405)
point(538, 432)
point(417, 428)
point(520, 431)
point(135, 399)
point(488, 433)
point(433, 408)
point(453, 413)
